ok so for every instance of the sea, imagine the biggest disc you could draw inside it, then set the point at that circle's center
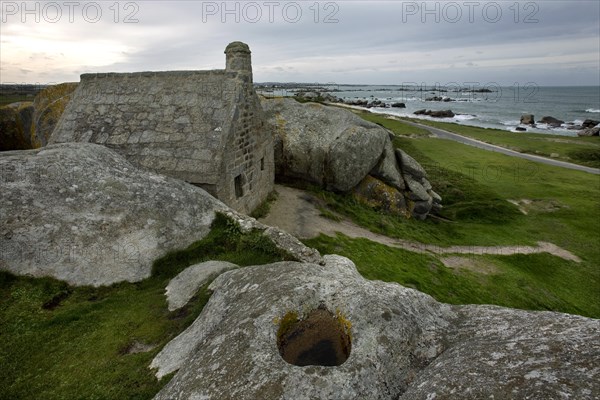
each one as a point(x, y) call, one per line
point(493, 107)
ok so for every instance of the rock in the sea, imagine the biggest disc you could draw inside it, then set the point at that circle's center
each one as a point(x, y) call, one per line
point(398, 105)
point(81, 213)
point(553, 122)
point(375, 193)
point(345, 337)
point(436, 114)
point(527, 119)
point(325, 145)
point(589, 123)
point(589, 132)
point(16, 126)
point(520, 129)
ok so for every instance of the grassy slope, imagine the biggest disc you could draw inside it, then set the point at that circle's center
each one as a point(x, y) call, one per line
point(475, 185)
point(78, 349)
point(578, 150)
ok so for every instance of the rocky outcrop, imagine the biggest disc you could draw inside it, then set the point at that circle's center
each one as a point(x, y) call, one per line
point(527, 119)
point(436, 114)
point(338, 150)
point(83, 214)
point(589, 132)
point(48, 106)
point(551, 121)
point(394, 342)
point(16, 126)
point(589, 123)
point(327, 146)
point(398, 105)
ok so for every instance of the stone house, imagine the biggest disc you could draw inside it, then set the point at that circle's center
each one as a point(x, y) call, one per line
point(204, 127)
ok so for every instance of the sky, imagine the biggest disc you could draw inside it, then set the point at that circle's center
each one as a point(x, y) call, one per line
point(547, 42)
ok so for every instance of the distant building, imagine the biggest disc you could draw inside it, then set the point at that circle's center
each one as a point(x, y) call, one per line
point(204, 127)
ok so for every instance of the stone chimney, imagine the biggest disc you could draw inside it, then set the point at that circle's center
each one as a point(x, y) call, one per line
point(238, 59)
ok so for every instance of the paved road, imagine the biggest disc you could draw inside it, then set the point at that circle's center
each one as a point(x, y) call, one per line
point(486, 146)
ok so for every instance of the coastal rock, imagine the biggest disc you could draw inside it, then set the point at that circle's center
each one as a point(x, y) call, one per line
point(520, 129)
point(398, 105)
point(16, 122)
point(553, 122)
point(388, 168)
point(527, 119)
point(409, 165)
point(400, 343)
point(589, 132)
point(81, 213)
point(325, 145)
point(436, 114)
point(337, 150)
point(589, 123)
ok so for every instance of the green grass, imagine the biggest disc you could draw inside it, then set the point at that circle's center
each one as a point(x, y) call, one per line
point(475, 185)
point(578, 150)
point(62, 342)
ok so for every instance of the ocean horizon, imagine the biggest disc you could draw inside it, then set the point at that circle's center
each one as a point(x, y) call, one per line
point(499, 107)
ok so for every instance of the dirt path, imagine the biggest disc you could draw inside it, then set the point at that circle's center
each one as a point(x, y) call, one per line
point(295, 212)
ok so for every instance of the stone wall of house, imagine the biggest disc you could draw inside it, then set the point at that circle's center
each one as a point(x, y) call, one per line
point(204, 127)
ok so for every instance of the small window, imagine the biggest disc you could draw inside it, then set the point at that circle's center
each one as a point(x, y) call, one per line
point(239, 188)
point(262, 164)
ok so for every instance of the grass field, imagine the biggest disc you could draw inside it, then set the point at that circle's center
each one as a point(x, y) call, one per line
point(476, 186)
point(62, 342)
point(6, 99)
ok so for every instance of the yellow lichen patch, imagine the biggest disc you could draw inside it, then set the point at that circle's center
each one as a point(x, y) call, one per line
point(286, 322)
point(344, 323)
point(375, 193)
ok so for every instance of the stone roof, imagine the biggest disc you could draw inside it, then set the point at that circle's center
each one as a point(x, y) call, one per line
point(163, 120)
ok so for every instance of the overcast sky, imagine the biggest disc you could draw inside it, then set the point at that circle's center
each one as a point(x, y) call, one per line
point(376, 42)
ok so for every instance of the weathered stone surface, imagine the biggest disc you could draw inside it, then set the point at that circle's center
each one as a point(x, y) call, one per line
point(387, 345)
point(387, 169)
point(375, 193)
point(352, 156)
point(404, 344)
point(185, 285)
point(589, 123)
point(204, 127)
point(82, 213)
point(49, 105)
point(16, 126)
point(501, 353)
point(409, 165)
point(325, 145)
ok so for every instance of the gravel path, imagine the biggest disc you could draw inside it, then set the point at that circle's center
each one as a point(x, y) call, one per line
point(295, 212)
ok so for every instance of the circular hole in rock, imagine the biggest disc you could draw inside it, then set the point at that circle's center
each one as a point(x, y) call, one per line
point(320, 338)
